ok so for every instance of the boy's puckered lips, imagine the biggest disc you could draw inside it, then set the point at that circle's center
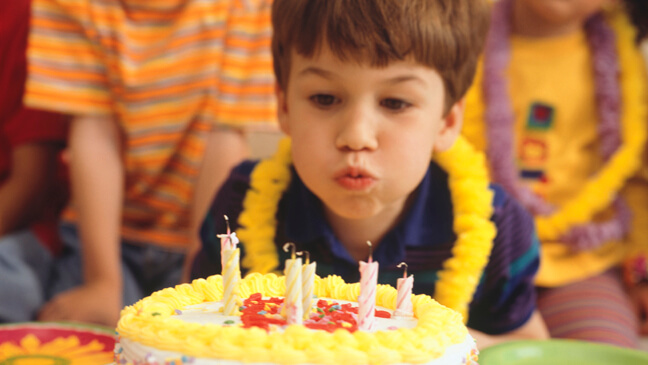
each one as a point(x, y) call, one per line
point(354, 178)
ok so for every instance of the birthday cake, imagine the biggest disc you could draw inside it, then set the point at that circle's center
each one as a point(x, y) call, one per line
point(187, 325)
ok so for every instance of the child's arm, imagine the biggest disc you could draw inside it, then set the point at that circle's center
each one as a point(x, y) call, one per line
point(23, 194)
point(97, 179)
point(225, 149)
point(533, 329)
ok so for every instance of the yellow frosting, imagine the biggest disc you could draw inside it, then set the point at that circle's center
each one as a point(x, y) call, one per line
point(152, 322)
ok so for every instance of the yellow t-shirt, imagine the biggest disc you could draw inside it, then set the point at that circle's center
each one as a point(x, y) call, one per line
point(556, 143)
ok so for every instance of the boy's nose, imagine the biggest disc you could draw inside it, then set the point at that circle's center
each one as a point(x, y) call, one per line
point(358, 131)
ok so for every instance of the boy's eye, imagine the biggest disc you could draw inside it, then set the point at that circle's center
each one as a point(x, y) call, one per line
point(323, 99)
point(394, 104)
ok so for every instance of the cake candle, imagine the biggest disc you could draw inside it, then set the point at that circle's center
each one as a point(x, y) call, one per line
point(227, 240)
point(231, 279)
point(308, 284)
point(230, 271)
point(367, 297)
point(404, 295)
point(293, 309)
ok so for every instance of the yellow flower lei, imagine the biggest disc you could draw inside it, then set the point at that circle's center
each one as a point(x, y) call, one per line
point(472, 207)
point(598, 192)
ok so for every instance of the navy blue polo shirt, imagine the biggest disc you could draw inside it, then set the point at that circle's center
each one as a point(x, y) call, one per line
point(505, 297)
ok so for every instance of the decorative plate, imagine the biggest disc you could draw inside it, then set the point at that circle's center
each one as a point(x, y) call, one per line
point(557, 351)
point(55, 343)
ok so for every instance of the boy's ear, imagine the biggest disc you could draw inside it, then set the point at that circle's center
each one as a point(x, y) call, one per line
point(450, 127)
point(282, 110)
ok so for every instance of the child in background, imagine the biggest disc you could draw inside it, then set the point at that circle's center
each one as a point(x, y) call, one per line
point(160, 92)
point(366, 103)
point(33, 183)
point(559, 105)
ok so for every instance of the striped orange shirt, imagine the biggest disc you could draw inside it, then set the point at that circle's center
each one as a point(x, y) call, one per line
point(169, 71)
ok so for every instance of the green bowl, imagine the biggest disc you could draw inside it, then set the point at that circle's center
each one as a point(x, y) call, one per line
point(555, 351)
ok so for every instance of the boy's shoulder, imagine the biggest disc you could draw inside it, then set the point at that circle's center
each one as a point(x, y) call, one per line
point(507, 208)
point(500, 196)
point(245, 168)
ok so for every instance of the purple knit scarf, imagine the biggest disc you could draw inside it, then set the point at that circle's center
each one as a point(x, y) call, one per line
point(500, 120)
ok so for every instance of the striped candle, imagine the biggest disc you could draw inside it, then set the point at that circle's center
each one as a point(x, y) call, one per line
point(231, 277)
point(404, 296)
point(308, 287)
point(367, 297)
point(293, 309)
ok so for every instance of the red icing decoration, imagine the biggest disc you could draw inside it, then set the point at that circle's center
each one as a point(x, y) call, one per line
point(382, 314)
point(262, 313)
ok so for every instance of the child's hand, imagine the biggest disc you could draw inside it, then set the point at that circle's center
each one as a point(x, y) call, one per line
point(98, 304)
point(639, 295)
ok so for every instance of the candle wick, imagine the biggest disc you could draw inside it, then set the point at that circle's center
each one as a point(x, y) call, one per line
point(305, 253)
point(291, 246)
point(405, 271)
point(227, 224)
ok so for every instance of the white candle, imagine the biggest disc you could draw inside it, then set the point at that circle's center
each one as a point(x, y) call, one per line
point(404, 296)
point(293, 309)
point(231, 279)
point(308, 285)
point(367, 297)
point(230, 270)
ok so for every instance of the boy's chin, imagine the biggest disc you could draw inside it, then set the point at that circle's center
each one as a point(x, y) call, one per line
point(351, 212)
point(360, 211)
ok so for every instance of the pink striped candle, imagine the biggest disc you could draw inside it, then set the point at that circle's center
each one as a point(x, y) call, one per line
point(404, 296)
point(367, 297)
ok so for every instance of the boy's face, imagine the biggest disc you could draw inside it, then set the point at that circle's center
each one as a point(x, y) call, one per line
point(362, 137)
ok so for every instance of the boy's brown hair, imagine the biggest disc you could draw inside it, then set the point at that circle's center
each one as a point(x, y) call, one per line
point(446, 35)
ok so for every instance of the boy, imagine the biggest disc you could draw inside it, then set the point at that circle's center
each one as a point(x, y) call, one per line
point(368, 91)
point(160, 93)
